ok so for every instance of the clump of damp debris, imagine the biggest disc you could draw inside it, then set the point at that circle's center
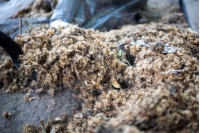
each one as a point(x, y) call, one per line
point(135, 79)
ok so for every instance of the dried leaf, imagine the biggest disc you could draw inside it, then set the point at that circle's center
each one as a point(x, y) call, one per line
point(115, 83)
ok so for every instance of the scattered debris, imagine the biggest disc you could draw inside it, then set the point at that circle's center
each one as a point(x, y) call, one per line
point(57, 119)
point(78, 115)
point(29, 128)
point(6, 115)
point(52, 92)
point(40, 91)
point(169, 49)
point(86, 61)
point(33, 98)
point(26, 98)
point(115, 83)
point(101, 116)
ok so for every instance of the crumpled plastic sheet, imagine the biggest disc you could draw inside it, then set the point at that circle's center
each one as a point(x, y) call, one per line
point(98, 14)
point(169, 48)
point(59, 23)
point(140, 42)
point(176, 71)
point(12, 7)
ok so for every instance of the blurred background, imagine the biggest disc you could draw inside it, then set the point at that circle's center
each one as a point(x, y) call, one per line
point(103, 15)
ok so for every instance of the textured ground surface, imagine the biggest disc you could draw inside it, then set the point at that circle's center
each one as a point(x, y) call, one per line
point(32, 112)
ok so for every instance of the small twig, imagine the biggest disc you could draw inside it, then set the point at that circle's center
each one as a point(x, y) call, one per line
point(128, 62)
point(20, 26)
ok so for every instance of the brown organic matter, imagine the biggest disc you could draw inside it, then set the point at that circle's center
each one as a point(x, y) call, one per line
point(142, 78)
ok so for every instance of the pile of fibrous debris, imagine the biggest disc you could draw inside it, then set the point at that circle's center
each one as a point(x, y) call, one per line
point(142, 78)
point(10, 80)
